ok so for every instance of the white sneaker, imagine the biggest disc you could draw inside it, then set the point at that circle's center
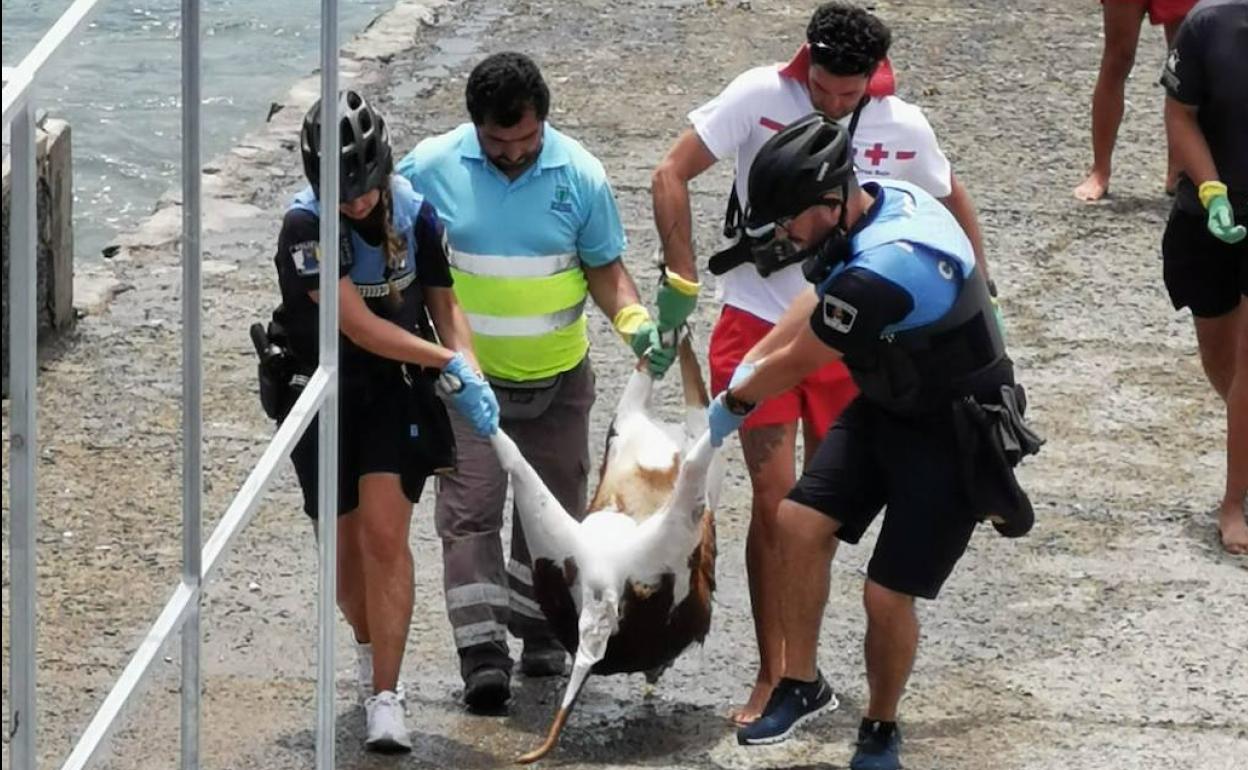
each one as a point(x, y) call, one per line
point(387, 730)
point(364, 670)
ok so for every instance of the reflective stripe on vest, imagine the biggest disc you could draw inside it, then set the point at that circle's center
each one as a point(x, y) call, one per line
point(527, 313)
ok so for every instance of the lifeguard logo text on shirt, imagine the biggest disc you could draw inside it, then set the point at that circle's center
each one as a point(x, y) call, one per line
point(838, 315)
point(562, 200)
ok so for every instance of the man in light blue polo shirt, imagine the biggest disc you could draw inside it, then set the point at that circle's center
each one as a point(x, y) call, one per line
point(533, 232)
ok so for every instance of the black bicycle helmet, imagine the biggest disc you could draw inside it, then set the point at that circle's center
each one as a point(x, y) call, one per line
point(366, 156)
point(809, 158)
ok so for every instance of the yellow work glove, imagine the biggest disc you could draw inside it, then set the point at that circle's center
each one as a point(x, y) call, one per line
point(634, 325)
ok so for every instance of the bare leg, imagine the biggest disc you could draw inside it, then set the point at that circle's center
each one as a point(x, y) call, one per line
point(1172, 162)
point(385, 515)
point(352, 593)
point(1122, 35)
point(1231, 516)
point(1215, 337)
point(1223, 345)
point(892, 641)
point(768, 453)
point(807, 544)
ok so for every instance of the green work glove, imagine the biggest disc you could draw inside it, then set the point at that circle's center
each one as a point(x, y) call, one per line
point(677, 298)
point(642, 335)
point(1221, 221)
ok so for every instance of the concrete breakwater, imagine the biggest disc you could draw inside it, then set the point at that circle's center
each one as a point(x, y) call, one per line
point(54, 292)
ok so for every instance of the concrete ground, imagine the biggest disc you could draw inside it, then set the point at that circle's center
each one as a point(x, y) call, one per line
point(1114, 636)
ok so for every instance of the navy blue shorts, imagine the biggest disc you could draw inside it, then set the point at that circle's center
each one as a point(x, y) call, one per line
point(872, 459)
point(376, 434)
point(1202, 272)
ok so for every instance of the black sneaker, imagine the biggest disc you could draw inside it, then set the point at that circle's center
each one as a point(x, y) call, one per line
point(487, 690)
point(792, 703)
point(879, 746)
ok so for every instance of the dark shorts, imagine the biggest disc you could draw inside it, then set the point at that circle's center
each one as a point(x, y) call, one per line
point(376, 434)
point(872, 459)
point(1202, 272)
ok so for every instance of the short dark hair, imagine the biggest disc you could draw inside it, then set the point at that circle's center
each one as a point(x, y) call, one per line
point(503, 87)
point(846, 39)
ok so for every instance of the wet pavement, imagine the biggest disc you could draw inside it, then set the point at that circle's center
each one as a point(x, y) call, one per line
point(1112, 637)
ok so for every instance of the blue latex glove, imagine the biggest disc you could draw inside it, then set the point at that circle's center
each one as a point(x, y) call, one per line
point(722, 421)
point(471, 395)
point(741, 374)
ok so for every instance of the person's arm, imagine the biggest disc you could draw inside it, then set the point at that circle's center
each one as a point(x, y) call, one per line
point(962, 207)
point(1185, 78)
point(787, 328)
point(379, 336)
point(451, 323)
point(1191, 150)
point(611, 287)
point(785, 366)
point(848, 318)
point(669, 191)
point(433, 267)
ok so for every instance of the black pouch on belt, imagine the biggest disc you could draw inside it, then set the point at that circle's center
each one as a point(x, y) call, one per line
point(279, 375)
point(435, 442)
point(994, 438)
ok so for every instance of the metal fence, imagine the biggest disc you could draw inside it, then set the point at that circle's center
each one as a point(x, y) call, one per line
point(182, 611)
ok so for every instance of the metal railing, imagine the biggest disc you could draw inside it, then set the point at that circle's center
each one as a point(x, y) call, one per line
point(182, 611)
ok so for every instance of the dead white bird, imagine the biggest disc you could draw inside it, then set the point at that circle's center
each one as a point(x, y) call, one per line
point(628, 588)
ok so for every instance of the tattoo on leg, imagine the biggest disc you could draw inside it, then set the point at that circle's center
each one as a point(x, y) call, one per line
point(758, 444)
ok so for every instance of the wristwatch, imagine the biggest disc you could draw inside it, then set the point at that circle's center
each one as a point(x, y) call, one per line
point(736, 405)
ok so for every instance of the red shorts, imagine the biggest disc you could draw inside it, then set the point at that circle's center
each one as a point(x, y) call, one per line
point(1161, 11)
point(817, 400)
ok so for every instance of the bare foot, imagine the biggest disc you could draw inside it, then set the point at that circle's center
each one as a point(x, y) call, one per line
point(1234, 529)
point(1095, 187)
point(753, 708)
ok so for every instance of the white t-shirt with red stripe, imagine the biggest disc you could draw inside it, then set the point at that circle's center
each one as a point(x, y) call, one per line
point(893, 140)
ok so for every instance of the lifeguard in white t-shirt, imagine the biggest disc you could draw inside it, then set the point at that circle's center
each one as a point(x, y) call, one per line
point(843, 72)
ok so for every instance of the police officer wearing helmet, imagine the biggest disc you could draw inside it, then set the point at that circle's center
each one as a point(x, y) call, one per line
point(933, 436)
point(394, 278)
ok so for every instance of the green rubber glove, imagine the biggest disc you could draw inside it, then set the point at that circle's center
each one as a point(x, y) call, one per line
point(677, 298)
point(645, 342)
point(1221, 220)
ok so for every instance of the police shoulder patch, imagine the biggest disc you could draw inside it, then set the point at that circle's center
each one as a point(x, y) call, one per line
point(838, 315)
point(307, 257)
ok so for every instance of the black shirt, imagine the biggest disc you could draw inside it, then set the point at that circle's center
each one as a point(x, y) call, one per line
point(298, 270)
point(1208, 68)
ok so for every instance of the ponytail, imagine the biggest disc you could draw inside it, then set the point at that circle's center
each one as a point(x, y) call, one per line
point(392, 245)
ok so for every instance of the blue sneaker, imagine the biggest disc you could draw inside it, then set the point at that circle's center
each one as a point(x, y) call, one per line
point(792, 703)
point(879, 746)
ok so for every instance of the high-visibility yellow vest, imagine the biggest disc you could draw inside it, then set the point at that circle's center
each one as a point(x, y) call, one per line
point(527, 313)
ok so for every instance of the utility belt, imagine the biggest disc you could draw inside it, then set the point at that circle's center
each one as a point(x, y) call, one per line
point(529, 399)
point(993, 437)
point(283, 376)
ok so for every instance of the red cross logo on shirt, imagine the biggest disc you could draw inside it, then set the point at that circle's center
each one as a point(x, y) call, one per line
point(876, 153)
